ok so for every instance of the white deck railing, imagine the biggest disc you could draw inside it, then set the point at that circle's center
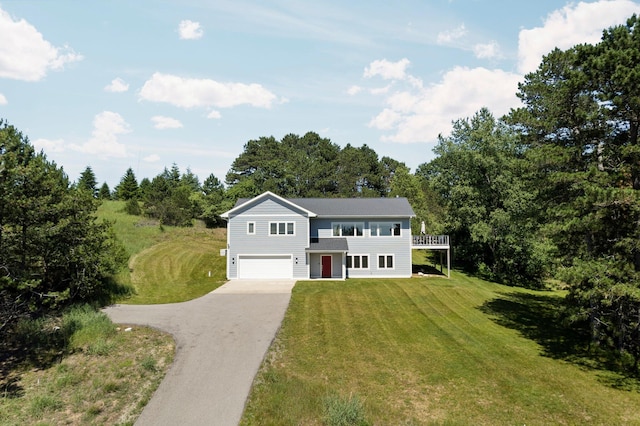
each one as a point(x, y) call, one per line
point(430, 240)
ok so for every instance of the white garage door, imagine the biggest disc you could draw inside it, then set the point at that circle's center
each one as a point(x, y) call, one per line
point(265, 267)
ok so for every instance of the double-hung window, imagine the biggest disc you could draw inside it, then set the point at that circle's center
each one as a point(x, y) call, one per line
point(385, 261)
point(358, 261)
point(251, 228)
point(385, 229)
point(348, 229)
point(282, 228)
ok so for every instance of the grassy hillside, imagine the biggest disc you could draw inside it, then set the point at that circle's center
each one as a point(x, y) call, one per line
point(167, 264)
point(432, 351)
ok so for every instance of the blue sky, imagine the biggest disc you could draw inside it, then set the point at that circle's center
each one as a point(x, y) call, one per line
point(145, 84)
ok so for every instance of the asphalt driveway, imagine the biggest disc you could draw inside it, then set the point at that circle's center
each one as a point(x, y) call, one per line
point(221, 339)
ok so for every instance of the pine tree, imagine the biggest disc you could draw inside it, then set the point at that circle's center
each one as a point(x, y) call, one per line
point(88, 182)
point(128, 186)
point(52, 250)
point(104, 193)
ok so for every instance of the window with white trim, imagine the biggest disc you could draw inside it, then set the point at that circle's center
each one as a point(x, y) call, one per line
point(348, 229)
point(385, 261)
point(282, 228)
point(385, 229)
point(251, 228)
point(358, 261)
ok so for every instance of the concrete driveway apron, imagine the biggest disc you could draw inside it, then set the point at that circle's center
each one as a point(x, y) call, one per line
point(221, 340)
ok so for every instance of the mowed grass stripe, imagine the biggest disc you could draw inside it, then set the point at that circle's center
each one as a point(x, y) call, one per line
point(177, 270)
point(423, 351)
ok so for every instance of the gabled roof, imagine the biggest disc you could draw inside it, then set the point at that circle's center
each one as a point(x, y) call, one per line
point(340, 207)
point(244, 202)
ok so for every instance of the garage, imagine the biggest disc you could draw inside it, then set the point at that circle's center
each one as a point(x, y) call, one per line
point(265, 266)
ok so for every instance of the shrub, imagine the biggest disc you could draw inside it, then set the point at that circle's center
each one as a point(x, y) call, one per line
point(133, 207)
point(340, 411)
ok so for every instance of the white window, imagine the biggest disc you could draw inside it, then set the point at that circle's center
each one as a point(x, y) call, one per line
point(358, 262)
point(282, 228)
point(385, 229)
point(348, 229)
point(251, 228)
point(385, 261)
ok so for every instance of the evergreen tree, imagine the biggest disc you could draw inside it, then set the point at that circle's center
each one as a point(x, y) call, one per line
point(190, 180)
point(213, 202)
point(580, 123)
point(104, 193)
point(88, 182)
point(144, 188)
point(128, 186)
point(52, 251)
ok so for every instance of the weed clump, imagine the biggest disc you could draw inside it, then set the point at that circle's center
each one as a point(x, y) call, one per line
point(340, 411)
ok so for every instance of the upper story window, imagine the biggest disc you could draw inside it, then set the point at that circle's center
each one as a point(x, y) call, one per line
point(251, 228)
point(385, 229)
point(282, 228)
point(348, 229)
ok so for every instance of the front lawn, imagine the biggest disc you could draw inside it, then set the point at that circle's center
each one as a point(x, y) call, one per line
point(432, 351)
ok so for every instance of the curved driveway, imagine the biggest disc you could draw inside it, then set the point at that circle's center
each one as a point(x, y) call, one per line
point(221, 340)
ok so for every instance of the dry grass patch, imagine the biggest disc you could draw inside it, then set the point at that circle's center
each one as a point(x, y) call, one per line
point(106, 387)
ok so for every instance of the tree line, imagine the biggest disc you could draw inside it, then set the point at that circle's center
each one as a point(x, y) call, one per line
point(293, 167)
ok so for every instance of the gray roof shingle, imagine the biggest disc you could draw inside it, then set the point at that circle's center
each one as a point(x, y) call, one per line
point(353, 207)
point(328, 244)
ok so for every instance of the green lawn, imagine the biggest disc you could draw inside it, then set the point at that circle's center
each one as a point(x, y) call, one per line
point(167, 264)
point(432, 351)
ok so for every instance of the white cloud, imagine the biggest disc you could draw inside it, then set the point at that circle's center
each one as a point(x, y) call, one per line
point(162, 122)
point(104, 139)
point(48, 145)
point(386, 120)
point(487, 51)
point(117, 85)
point(571, 25)
point(387, 70)
point(190, 30)
point(25, 54)
point(3, 100)
point(445, 37)
point(420, 114)
point(380, 90)
point(153, 158)
point(192, 92)
point(354, 90)
point(214, 114)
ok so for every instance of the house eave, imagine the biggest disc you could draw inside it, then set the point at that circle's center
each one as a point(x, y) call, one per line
point(266, 194)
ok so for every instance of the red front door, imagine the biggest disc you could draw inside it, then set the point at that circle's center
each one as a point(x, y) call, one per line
point(326, 266)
